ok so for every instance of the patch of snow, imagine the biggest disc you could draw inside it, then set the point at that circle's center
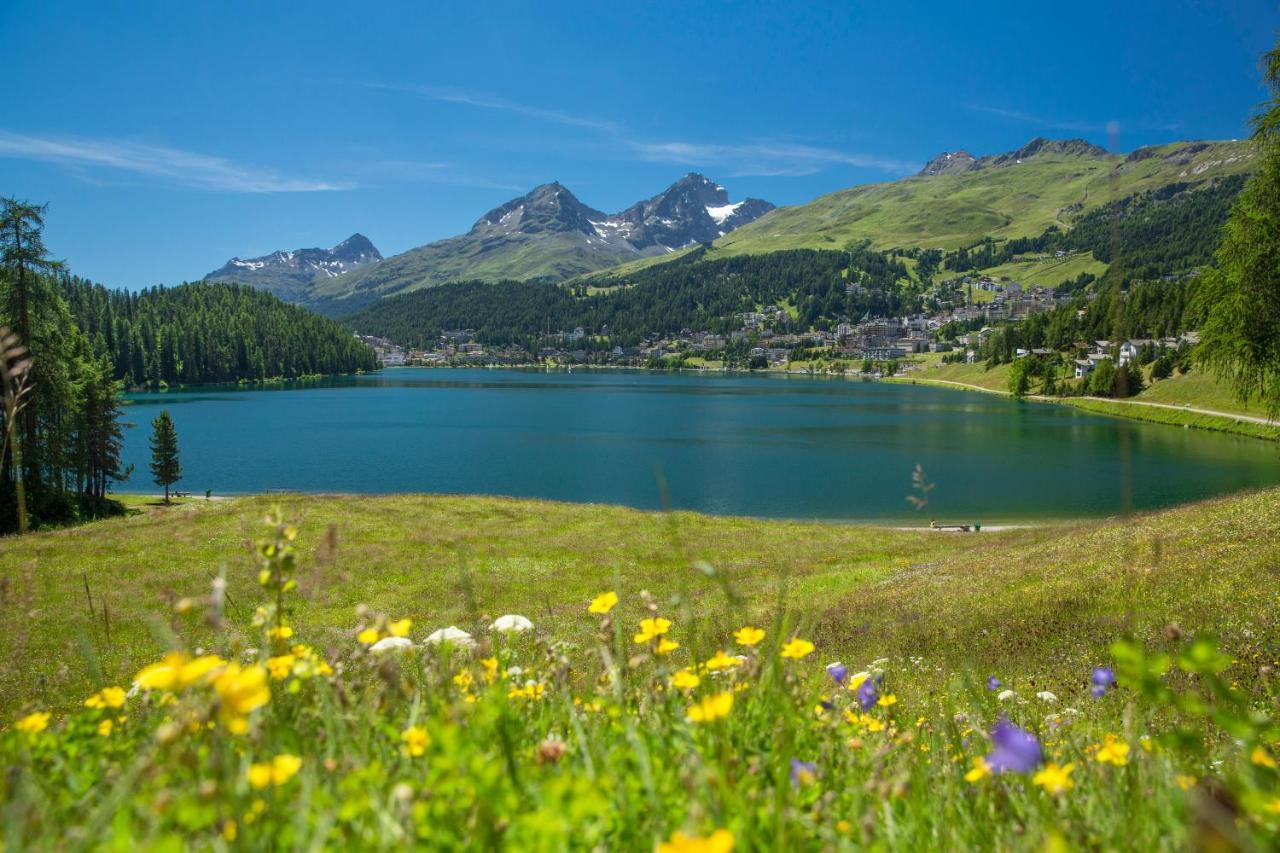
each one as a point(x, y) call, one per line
point(722, 212)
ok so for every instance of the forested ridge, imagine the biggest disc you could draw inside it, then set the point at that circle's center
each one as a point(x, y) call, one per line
point(1169, 230)
point(692, 292)
point(209, 332)
point(1153, 242)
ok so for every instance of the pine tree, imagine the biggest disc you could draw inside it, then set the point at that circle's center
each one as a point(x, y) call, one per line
point(1240, 298)
point(24, 258)
point(165, 467)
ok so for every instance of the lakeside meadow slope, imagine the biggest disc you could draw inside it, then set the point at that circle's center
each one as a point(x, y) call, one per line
point(1038, 601)
point(679, 686)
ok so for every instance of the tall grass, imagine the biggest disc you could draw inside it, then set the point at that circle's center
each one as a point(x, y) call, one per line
point(648, 729)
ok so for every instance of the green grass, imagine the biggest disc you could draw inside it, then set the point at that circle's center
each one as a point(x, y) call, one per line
point(1047, 273)
point(593, 744)
point(409, 554)
point(1200, 390)
point(931, 368)
point(428, 557)
point(950, 211)
point(1195, 389)
point(1175, 417)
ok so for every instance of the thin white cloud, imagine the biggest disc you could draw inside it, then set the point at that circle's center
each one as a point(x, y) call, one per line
point(1108, 127)
point(758, 159)
point(186, 168)
point(430, 172)
point(492, 102)
point(1041, 121)
point(766, 159)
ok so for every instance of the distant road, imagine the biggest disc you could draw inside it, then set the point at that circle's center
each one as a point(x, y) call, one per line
point(1235, 416)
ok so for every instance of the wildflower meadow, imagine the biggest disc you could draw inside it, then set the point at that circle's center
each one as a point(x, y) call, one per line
point(646, 733)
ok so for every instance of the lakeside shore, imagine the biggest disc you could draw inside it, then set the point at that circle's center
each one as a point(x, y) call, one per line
point(148, 501)
point(1141, 410)
point(1172, 414)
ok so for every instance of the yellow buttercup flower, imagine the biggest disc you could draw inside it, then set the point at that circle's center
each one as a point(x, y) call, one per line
point(529, 691)
point(307, 663)
point(281, 666)
point(463, 679)
point(710, 708)
point(886, 700)
point(401, 628)
point(1262, 758)
point(276, 772)
point(603, 602)
point(748, 636)
point(107, 697)
point(722, 661)
point(1055, 779)
point(665, 646)
point(796, 648)
point(105, 727)
point(490, 669)
point(240, 690)
point(280, 632)
point(162, 675)
point(980, 769)
point(1112, 750)
point(33, 723)
point(720, 841)
point(198, 671)
point(368, 636)
point(416, 740)
point(685, 679)
point(651, 629)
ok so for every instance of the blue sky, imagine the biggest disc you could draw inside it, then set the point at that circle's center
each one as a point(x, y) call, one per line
point(168, 137)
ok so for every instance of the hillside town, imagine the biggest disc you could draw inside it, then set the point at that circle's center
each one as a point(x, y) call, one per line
point(765, 338)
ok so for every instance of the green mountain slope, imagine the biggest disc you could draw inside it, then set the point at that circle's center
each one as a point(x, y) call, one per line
point(507, 256)
point(549, 234)
point(1002, 197)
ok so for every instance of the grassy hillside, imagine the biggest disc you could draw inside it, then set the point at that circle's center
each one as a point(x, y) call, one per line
point(1195, 390)
point(1199, 390)
point(625, 724)
point(446, 560)
point(518, 256)
point(1048, 273)
point(1017, 200)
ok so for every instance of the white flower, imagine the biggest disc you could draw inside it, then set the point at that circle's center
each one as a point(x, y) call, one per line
point(515, 672)
point(452, 635)
point(1004, 695)
point(511, 624)
point(391, 644)
point(1046, 696)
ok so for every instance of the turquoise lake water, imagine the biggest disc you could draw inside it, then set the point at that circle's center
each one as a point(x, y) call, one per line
point(790, 447)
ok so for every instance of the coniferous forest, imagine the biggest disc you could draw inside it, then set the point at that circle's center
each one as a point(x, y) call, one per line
point(692, 293)
point(209, 332)
point(72, 347)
